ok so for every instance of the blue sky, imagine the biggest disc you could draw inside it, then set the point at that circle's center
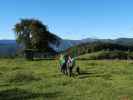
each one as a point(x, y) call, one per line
point(71, 19)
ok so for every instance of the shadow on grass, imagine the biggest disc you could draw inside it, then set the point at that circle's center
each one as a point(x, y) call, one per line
point(1, 73)
point(39, 59)
point(20, 94)
point(57, 75)
point(1, 85)
point(84, 75)
point(16, 68)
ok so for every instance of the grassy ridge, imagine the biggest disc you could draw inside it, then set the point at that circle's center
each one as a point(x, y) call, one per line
point(41, 80)
point(107, 55)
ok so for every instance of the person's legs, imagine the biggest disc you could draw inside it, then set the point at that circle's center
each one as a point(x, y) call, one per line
point(70, 71)
point(78, 70)
point(67, 69)
point(63, 68)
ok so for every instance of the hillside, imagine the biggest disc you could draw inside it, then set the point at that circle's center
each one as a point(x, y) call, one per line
point(9, 47)
point(121, 41)
point(65, 44)
point(106, 55)
point(97, 46)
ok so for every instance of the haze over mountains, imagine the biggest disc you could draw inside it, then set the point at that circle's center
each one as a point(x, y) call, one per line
point(9, 47)
point(69, 43)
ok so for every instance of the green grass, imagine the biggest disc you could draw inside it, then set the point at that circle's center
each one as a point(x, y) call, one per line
point(42, 80)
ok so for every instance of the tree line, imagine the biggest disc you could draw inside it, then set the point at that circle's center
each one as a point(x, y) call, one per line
point(99, 46)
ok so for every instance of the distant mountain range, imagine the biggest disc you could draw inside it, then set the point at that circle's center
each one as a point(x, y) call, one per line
point(65, 44)
point(121, 41)
point(9, 47)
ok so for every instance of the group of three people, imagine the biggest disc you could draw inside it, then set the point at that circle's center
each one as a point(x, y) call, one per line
point(67, 64)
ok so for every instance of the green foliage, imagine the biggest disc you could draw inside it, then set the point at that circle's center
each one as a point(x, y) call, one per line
point(34, 34)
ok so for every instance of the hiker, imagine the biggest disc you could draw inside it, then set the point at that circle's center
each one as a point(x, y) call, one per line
point(70, 65)
point(67, 64)
point(62, 63)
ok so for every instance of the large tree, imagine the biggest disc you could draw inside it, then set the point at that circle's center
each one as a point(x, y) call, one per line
point(34, 34)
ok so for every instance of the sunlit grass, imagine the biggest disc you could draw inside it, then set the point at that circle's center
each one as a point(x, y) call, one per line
point(42, 80)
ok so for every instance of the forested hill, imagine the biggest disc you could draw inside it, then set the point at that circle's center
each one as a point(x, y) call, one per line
point(65, 44)
point(9, 47)
point(121, 41)
point(98, 46)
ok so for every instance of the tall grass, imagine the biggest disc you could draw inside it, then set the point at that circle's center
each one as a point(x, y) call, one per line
point(42, 80)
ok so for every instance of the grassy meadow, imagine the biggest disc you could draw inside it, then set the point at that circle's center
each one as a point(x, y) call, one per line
point(42, 80)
